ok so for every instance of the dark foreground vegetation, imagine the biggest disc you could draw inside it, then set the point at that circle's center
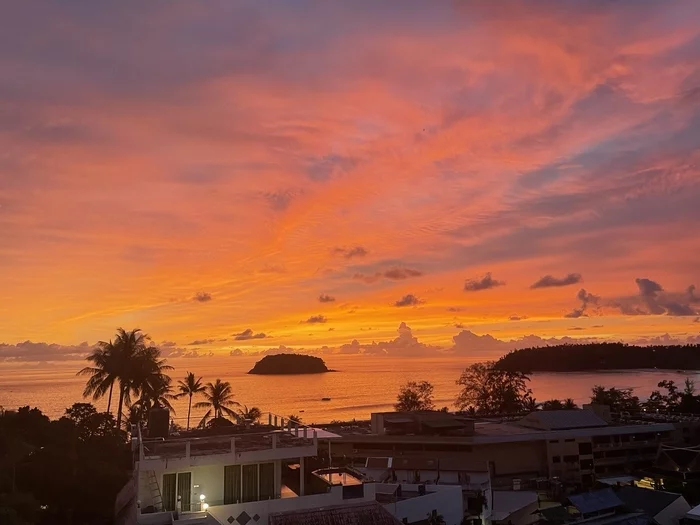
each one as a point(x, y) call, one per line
point(486, 389)
point(64, 471)
point(289, 364)
point(601, 356)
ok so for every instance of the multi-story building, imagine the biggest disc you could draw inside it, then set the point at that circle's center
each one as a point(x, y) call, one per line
point(574, 446)
point(255, 475)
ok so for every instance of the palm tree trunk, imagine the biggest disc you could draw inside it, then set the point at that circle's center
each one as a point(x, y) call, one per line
point(121, 404)
point(189, 409)
point(109, 401)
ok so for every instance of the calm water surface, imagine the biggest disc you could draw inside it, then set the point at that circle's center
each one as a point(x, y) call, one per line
point(363, 384)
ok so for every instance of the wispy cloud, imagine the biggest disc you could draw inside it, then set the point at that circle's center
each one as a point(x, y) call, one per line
point(325, 298)
point(316, 319)
point(587, 299)
point(484, 283)
point(408, 300)
point(198, 342)
point(202, 297)
point(549, 281)
point(349, 253)
point(248, 334)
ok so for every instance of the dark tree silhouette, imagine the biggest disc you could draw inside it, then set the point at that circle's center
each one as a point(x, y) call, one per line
point(190, 387)
point(415, 396)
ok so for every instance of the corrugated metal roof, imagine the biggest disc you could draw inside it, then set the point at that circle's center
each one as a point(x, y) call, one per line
point(562, 419)
point(595, 501)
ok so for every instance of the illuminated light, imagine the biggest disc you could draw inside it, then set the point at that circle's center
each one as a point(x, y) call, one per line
point(202, 497)
point(205, 506)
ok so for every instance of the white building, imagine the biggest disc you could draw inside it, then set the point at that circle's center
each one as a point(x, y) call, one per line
point(241, 475)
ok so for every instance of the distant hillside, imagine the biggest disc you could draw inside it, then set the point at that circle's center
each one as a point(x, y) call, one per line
point(601, 356)
point(289, 364)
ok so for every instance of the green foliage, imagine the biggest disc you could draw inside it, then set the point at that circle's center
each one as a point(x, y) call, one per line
point(73, 466)
point(90, 423)
point(252, 414)
point(674, 400)
point(190, 387)
point(137, 367)
point(415, 396)
point(557, 404)
point(618, 399)
point(530, 404)
point(218, 401)
point(490, 390)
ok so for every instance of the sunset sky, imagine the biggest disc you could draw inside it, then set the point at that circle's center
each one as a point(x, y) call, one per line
point(239, 176)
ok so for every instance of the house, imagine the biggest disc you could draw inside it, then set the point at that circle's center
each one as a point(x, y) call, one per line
point(574, 446)
point(254, 474)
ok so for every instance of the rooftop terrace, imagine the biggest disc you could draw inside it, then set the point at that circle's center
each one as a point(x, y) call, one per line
point(277, 434)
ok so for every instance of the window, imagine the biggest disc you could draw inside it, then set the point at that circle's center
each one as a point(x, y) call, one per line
point(570, 440)
point(250, 483)
point(556, 459)
point(184, 490)
point(232, 484)
point(571, 459)
point(554, 441)
point(585, 448)
point(267, 481)
point(587, 464)
point(169, 491)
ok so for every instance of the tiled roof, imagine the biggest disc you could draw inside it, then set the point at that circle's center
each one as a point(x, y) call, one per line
point(358, 514)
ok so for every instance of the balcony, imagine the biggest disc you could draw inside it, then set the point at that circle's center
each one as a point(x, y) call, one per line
point(279, 439)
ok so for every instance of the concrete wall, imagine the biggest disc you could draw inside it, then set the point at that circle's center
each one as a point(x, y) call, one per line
point(673, 513)
point(511, 459)
point(265, 508)
point(206, 479)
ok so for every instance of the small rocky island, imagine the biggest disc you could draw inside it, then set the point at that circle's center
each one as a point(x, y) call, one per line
point(289, 364)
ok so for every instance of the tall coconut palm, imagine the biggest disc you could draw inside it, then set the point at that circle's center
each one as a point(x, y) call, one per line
point(219, 399)
point(569, 404)
point(252, 414)
point(190, 386)
point(155, 392)
point(103, 374)
point(132, 362)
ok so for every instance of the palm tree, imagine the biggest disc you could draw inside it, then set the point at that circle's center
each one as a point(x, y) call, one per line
point(219, 398)
point(156, 393)
point(569, 404)
point(252, 415)
point(137, 366)
point(103, 374)
point(530, 404)
point(294, 418)
point(553, 404)
point(189, 387)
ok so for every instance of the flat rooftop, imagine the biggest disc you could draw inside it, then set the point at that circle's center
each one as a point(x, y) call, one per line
point(498, 430)
point(223, 440)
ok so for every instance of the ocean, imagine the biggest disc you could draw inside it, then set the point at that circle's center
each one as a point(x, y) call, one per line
point(361, 385)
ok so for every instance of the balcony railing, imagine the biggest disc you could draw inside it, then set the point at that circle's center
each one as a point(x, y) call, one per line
point(279, 433)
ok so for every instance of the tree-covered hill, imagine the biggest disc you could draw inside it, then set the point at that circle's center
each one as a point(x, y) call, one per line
point(601, 356)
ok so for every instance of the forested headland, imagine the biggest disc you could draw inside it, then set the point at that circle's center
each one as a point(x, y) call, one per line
point(601, 356)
